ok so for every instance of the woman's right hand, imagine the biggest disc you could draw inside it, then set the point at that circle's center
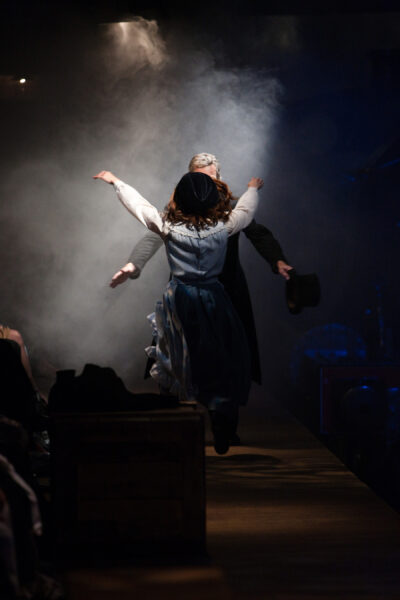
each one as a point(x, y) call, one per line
point(256, 182)
point(122, 275)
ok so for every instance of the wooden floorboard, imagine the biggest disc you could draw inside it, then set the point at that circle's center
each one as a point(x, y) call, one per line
point(293, 522)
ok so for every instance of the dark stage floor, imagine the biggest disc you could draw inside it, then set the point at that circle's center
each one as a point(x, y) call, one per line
point(285, 520)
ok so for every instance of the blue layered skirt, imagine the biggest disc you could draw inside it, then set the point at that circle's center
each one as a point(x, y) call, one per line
point(201, 350)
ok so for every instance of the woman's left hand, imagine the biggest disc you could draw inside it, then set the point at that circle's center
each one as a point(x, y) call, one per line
point(106, 176)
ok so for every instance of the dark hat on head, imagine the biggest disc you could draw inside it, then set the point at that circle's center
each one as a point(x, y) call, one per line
point(196, 193)
point(301, 291)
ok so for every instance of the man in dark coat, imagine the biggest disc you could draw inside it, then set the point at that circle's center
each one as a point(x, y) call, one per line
point(234, 281)
point(232, 276)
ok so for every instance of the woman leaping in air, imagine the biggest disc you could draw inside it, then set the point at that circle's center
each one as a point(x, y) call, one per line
point(201, 348)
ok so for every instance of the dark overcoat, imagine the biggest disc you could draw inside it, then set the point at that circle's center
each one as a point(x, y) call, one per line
point(234, 281)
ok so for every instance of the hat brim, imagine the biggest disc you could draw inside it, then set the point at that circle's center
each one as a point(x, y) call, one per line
point(302, 291)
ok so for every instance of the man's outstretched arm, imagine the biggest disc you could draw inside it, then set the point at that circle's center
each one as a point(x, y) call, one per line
point(268, 247)
point(144, 251)
point(146, 247)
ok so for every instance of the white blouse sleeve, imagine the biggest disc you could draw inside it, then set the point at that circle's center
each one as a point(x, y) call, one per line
point(243, 213)
point(139, 207)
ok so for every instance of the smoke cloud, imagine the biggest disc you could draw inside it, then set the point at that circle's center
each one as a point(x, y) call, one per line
point(124, 98)
point(134, 44)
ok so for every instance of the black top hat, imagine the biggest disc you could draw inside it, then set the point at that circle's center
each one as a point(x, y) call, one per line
point(302, 290)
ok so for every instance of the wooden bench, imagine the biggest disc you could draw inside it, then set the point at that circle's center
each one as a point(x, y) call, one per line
point(128, 483)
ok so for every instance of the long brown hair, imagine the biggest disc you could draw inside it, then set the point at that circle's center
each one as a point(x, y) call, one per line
point(220, 212)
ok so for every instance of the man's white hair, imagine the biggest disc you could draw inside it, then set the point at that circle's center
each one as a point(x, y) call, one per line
point(203, 160)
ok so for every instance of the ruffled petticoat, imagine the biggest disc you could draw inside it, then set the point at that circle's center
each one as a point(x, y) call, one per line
point(171, 368)
point(200, 350)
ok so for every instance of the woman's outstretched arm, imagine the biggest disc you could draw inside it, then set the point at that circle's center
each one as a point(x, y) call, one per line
point(243, 213)
point(134, 202)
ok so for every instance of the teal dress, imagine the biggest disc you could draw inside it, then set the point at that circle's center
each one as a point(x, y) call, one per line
point(201, 348)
